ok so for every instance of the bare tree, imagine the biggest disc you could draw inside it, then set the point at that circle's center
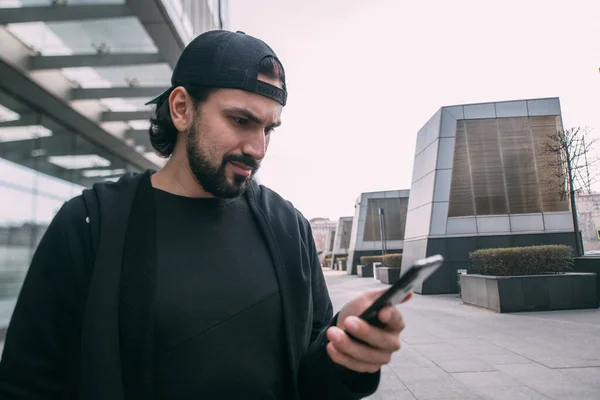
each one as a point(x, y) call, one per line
point(574, 167)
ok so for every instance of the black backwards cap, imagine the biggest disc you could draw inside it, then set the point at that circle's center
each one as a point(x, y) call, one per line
point(224, 59)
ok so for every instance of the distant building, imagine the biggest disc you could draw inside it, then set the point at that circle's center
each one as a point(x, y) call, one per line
point(365, 239)
point(341, 240)
point(322, 229)
point(588, 208)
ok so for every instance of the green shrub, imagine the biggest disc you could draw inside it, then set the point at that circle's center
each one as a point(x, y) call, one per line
point(328, 257)
point(531, 260)
point(369, 260)
point(391, 260)
point(341, 259)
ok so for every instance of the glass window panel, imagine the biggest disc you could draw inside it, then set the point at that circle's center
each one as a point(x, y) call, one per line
point(461, 192)
point(16, 175)
point(141, 75)
point(45, 208)
point(331, 240)
point(113, 35)
point(395, 218)
point(32, 189)
point(519, 166)
point(551, 180)
point(345, 234)
point(16, 238)
point(34, 3)
point(485, 157)
point(39, 37)
point(500, 167)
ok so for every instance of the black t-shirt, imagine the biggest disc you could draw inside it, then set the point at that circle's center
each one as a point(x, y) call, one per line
point(219, 326)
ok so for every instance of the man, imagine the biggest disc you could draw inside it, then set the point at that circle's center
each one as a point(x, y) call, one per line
point(193, 281)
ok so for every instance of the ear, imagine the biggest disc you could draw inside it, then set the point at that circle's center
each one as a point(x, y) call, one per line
point(182, 109)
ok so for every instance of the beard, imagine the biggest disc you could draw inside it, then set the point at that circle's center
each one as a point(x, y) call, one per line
point(213, 178)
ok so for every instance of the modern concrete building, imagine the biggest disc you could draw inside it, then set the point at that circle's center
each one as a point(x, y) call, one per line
point(588, 208)
point(480, 179)
point(74, 76)
point(341, 240)
point(365, 238)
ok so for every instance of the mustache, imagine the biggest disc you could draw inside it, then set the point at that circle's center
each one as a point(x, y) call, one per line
point(242, 159)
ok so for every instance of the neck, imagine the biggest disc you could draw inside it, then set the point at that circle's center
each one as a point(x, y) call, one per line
point(177, 178)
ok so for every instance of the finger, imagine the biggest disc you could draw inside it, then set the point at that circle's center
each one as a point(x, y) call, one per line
point(349, 362)
point(392, 319)
point(376, 337)
point(357, 351)
point(407, 298)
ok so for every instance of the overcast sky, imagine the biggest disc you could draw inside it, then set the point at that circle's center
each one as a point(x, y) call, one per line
point(364, 76)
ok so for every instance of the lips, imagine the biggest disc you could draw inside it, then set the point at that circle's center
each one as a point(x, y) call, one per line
point(241, 169)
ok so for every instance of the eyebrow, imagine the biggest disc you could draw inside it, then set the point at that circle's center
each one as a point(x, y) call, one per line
point(246, 113)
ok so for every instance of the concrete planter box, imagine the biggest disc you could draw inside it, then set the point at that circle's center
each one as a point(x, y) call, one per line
point(388, 275)
point(365, 271)
point(590, 265)
point(530, 292)
point(351, 270)
point(376, 266)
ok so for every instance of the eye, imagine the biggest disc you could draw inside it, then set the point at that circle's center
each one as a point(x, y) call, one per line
point(268, 131)
point(240, 121)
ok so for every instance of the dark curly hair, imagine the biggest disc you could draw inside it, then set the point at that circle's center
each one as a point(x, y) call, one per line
point(163, 134)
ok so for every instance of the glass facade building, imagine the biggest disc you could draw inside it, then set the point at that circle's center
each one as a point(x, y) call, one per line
point(42, 165)
point(74, 77)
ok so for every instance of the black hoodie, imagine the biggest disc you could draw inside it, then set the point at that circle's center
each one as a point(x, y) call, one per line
point(83, 326)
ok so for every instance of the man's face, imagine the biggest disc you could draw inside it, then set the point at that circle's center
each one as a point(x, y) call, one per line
point(229, 138)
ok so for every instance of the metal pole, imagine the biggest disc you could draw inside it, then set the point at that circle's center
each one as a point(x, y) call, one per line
point(383, 237)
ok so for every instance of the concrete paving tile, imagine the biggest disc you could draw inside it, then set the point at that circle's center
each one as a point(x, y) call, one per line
point(421, 339)
point(529, 372)
point(485, 379)
point(561, 390)
point(441, 351)
point(566, 362)
point(421, 374)
point(500, 359)
point(392, 395)
point(464, 366)
point(583, 375)
point(571, 383)
point(448, 390)
point(389, 381)
point(510, 393)
point(417, 363)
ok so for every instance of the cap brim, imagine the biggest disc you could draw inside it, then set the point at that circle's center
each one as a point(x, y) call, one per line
point(157, 98)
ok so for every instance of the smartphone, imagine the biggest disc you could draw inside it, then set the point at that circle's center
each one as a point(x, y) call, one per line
point(413, 276)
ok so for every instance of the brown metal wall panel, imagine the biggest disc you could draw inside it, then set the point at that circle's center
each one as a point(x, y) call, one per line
point(395, 210)
point(501, 167)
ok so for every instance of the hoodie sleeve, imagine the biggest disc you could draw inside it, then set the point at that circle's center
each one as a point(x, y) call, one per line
point(319, 377)
point(35, 358)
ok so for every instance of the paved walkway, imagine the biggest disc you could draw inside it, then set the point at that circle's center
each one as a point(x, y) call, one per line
point(453, 351)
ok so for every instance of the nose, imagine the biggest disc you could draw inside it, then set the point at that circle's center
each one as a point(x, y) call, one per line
point(255, 146)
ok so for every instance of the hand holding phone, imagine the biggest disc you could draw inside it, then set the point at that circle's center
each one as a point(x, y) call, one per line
point(413, 276)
